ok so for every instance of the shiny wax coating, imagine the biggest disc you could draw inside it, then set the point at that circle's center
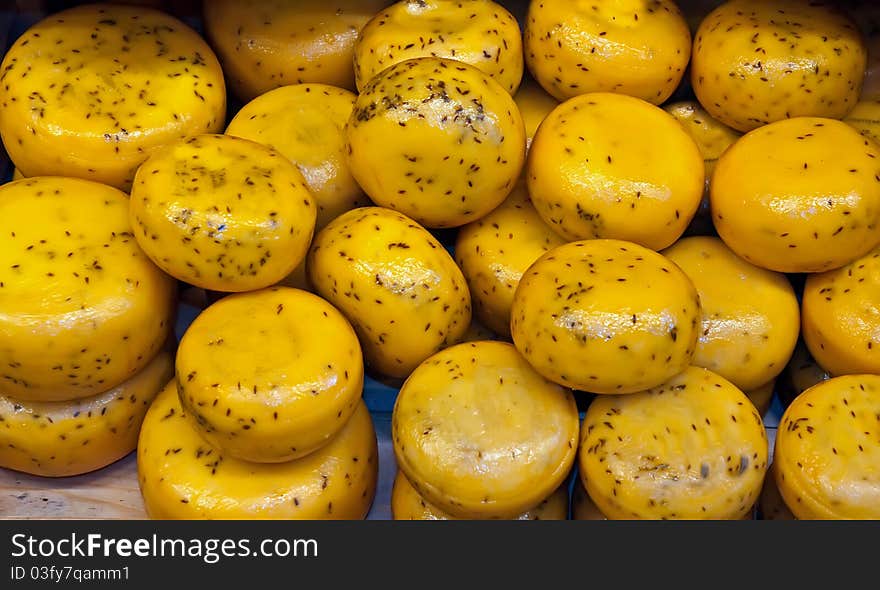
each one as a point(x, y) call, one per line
point(630, 47)
point(223, 213)
point(799, 195)
point(477, 32)
point(756, 62)
point(592, 174)
point(841, 317)
point(271, 375)
point(82, 308)
point(693, 448)
point(827, 454)
point(479, 434)
point(264, 44)
point(181, 476)
point(306, 123)
point(92, 91)
point(606, 316)
point(437, 140)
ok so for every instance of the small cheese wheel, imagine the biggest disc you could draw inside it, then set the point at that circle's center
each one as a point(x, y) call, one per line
point(396, 284)
point(827, 452)
point(865, 118)
point(631, 47)
point(756, 62)
point(480, 434)
point(183, 477)
point(481, 33)
point(82, 309)
point(582, 506)
point(693, 448)
point(801, 373)
point(591, 174)
point(264, 44)
point(92, 91)
point(58, 439)
point(534, 104)
point(799, 195)
point(771, 504)
point(606, 316)
point(437, 140)
point(762, 396)
point(306, 124)
point(222, 213)
point(408, 504)
point(841, 317)
point(271, 375)
point(750, 316)
point(495, 251)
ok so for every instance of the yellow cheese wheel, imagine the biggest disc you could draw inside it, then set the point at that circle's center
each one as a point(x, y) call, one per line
point(58, 439)
point(750, 316)
point(264, 44)
point(481, 33)
point(408, 504)
point(270, 375)
point(592, 174)
point(632, 47)
point(799, 195)
point(841, 317)
point(480, 434)
point(606, 316)
point(582, 506)
point(771, 504)
point(827, 452)
point(82, 309)
point(693, 448)
point(183, 477)
point(534, 104)
point(865, 117)
point(92, 91)
point(756, 62)
point(396, 284)
point(306, 124)
point(222, 213)
point(495, 251)
point(437, 140)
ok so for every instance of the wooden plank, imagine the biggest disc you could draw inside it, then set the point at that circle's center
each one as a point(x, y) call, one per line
point(111, 493)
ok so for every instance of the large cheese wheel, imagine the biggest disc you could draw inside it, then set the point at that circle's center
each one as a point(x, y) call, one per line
point(57, 439)
point(82, 308)
point(181, 476)
point(92, 91)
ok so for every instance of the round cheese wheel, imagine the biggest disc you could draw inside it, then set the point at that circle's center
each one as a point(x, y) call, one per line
point(223, 213)
point(181, 476)
point(534, 104)
point(827, 452)
point(270, 375)
point(693, 448)
point(799, 195)
point(495, 251)
point(481, 33)
point(59, 439)
point(631, 47)
point(396, 284)
point(841, 317)
point(437, 140)
point(480, 434)
point(606, 316)
point(756, 62)
point(750, 316)
point(591, 174)
point(82, 309)
point(92, 91)
point(408, 504)
point(306, 124)
point(264, 44)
